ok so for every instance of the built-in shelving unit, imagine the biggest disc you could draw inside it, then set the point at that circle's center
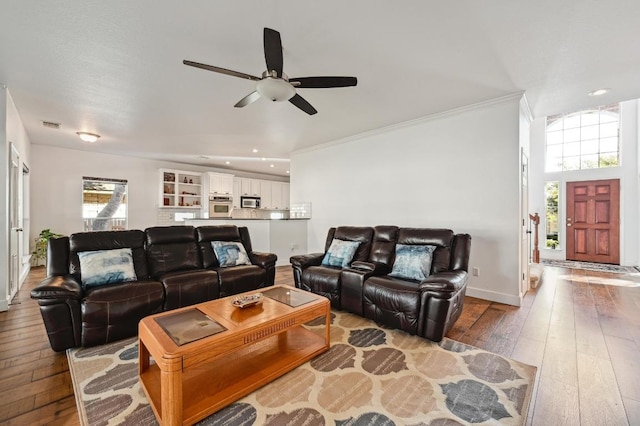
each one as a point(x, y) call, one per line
point(180, 189)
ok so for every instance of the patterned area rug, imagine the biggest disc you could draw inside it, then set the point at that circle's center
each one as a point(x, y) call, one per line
point(603, 267)
point(370, 376)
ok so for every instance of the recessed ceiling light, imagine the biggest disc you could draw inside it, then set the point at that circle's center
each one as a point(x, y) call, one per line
point(88, 137)
point(271, 165)
point(599, 92)
point(287, 171)
point(227, 162)
point(263, 159)
point(255, 150)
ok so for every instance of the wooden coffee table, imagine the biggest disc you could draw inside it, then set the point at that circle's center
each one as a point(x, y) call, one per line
point(191, 381)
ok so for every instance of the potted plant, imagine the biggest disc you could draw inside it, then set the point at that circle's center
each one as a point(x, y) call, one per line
point(40, 251)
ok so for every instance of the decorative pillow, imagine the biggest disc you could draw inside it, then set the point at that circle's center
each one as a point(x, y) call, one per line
point(106, 267)
point(230, 253)
point(340, 253)
point(412, 262)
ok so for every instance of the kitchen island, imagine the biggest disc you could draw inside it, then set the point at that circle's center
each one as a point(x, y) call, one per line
point(283, 237)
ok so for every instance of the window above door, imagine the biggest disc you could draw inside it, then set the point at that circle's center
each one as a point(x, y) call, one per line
point(586, 139)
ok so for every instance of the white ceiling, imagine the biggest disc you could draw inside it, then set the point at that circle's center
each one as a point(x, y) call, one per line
point(115, 68)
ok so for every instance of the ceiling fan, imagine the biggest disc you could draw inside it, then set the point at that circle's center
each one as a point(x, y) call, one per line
point(274, 84)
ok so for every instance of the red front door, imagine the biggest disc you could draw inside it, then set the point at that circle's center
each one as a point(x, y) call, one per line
point(593, 221)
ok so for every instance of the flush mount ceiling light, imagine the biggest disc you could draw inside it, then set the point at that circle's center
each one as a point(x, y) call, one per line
point(88, 137)
point(599, 92)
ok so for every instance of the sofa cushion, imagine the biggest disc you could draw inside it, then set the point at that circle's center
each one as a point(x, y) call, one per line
point(112, 312)
point(184, 288)
point(108, 240)
point(340, 253)
point(412, 261)
point(106, 267)
point(230, 253)
point(240, 279)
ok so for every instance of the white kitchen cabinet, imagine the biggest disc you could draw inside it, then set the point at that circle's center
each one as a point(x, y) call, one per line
point(180, 189)
point(220, 183)
point(250, 187)
point(266, 201)
point(286, 198)
point(236, 192)
point(276, 195)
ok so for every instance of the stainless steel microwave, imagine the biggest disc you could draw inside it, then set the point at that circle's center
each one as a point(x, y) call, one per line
point(250, 202)
point(220, 206)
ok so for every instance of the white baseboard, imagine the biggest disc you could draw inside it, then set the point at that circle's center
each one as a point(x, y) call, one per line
point(23, 275)
point(4, 305)
point(494, 296)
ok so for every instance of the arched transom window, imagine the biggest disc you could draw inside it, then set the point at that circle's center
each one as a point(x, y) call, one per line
point(583, 140)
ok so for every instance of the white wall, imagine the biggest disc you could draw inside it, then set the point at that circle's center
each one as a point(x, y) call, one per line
point(11, 131)
point(4, 201)
point(458, 170)
point(629, 187)
point(56, 186)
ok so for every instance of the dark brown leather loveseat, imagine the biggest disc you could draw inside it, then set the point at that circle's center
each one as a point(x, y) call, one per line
point(175, 266)
point(425, 307)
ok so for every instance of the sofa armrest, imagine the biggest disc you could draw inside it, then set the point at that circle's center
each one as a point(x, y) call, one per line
point(58, 287)
point(376, 268)
point(263, 260)
point(445, 282)
point(303, 261)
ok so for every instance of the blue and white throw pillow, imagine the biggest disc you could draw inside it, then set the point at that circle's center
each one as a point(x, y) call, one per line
point(106, 267)
point(230, 253)
point(340, 253)
point(412, 262)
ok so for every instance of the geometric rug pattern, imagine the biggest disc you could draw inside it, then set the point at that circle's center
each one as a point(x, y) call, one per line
point(589, 266)
point(370, 376)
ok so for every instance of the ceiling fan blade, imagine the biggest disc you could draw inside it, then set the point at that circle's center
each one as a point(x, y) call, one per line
point(301, 103)
point(323, 82)
point(250, 98)
point(273, 51)
point(221, 70)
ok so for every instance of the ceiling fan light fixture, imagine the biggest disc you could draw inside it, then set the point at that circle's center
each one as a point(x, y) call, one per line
point(599, 92)
point(88, 137)
point(275, 89)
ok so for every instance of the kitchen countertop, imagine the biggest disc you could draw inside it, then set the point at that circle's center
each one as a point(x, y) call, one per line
point(250, 218)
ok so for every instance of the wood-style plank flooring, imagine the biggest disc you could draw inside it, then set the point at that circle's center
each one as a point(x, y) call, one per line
point(581, 329)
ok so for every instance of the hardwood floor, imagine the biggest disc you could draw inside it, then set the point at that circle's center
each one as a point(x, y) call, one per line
point(581, 329)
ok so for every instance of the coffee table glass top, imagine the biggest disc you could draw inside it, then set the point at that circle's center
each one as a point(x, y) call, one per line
point(188, 326)
point(290, 296)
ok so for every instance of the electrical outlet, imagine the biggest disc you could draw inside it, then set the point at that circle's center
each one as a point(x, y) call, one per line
point(476, 271)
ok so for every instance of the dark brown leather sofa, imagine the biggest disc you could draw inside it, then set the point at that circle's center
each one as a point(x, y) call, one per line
point(427, 307)
point(174, 266)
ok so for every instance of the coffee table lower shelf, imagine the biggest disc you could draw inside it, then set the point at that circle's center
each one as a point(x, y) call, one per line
point(212, 385)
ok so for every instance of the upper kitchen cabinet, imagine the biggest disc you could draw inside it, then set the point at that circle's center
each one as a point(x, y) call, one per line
point(250, 187)
point(220, 183)
point(180, 189)
point(236, 192)
point(280, 195)
point(286, 200)
point(266, 201)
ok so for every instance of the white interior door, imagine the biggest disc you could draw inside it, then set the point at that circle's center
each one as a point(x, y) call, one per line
point(524, 234)
point(15, 230)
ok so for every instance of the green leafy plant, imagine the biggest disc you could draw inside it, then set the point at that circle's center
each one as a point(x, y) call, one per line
point(42, 240)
